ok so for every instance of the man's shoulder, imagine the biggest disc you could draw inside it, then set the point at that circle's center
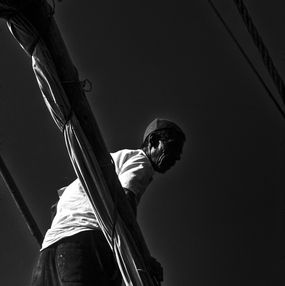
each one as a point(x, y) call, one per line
point(130, 157)
point(127, 153)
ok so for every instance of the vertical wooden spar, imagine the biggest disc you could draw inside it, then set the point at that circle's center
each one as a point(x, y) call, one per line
point(33, 26)
point(21, 204)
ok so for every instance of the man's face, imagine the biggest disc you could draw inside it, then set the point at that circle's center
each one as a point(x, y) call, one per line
point(166, 153)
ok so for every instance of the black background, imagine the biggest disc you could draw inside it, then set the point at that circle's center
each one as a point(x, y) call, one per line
point(216, 217)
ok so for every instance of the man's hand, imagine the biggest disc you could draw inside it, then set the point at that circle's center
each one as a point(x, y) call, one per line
point(156, 270)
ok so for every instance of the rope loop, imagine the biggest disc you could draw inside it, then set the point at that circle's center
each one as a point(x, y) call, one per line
point(86, 85)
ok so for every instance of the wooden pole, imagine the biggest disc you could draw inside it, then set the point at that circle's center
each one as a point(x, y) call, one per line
point(21, 204)
point(34, 27)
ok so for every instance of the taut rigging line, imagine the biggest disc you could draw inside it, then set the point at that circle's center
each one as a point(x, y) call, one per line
point(263, 50)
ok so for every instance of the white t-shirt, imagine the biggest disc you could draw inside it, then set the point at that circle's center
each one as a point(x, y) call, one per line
point(74, 211)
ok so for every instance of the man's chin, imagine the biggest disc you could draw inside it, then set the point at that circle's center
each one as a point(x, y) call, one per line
point(163, 169)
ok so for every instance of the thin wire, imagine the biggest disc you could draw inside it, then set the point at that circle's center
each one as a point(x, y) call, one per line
point(247, 59)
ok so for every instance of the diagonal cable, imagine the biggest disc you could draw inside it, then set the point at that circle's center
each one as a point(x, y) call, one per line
point(266, 58)
point(218, 14)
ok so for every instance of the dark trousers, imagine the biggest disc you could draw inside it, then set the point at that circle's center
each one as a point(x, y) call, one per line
point(84, 259)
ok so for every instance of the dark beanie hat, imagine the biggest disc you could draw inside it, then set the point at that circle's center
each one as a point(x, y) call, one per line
point(158, 124)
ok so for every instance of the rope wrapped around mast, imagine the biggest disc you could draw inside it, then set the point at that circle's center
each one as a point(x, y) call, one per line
point(33, 26)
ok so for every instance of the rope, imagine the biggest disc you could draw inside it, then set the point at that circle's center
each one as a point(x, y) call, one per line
point(261, 48)
point(20, 11)
point(85, 85)
point(265, 56)
point(45, 29)
point(247, 59)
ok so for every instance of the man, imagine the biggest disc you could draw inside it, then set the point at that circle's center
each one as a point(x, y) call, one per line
point(74, 250)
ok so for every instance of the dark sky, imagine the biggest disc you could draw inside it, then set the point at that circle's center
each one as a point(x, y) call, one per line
point(215, 218)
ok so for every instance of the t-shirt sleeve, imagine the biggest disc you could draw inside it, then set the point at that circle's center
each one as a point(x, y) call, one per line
point(136, 174)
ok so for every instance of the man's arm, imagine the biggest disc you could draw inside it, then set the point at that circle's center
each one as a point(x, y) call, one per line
point(132, 200)
point(154, 266)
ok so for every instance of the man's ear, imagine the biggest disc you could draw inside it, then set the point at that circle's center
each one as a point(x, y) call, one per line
point(153, 140)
